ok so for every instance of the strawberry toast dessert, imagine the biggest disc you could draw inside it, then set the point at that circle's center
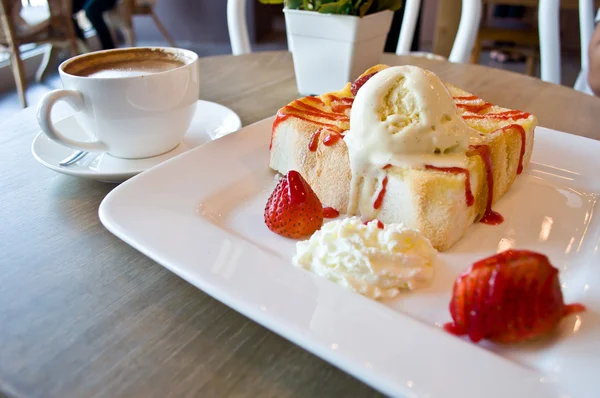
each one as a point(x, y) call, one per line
point(413, 162)
point(400, 146)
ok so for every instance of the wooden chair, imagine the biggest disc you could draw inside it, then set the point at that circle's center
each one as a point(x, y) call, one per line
point(525, 38)
point(470, 18)
point(56, 30)
point(121, 17)
point(547, 37)
point(463, 43)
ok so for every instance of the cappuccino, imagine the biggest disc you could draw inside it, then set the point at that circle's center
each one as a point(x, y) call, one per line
point(128, 63)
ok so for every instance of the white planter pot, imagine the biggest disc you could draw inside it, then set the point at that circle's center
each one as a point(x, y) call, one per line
point(331, 50)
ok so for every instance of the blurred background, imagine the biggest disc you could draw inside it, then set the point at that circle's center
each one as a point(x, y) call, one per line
point(507, 37)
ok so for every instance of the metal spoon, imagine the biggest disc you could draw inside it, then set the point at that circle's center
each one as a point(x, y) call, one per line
point(73, 158)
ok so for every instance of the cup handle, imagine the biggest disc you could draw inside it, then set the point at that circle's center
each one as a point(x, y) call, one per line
point(75, 100)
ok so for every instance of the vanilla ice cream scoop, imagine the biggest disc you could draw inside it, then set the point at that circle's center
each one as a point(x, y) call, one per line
point(403, 116)
point(406, 110)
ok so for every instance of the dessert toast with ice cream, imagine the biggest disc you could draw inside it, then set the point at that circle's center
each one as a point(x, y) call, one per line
point(401, 146)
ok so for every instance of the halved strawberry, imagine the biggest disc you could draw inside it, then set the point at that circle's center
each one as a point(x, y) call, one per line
point(510, 297)
point(293, 210)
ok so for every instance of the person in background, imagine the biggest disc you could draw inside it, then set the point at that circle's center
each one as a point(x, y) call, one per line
point(94, 11)
point(593, 74)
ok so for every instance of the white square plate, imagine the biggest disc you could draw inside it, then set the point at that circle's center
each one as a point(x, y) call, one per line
point(201, 216)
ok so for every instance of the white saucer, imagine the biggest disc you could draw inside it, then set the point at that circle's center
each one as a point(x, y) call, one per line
point(211, 121)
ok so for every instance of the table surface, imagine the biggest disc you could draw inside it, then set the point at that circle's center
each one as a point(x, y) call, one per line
point(84, 314)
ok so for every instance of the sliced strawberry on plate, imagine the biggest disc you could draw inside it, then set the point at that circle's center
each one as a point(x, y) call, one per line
point(293, 210)
point(510, 297)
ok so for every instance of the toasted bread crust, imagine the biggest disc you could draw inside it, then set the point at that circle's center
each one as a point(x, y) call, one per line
point(431, 201)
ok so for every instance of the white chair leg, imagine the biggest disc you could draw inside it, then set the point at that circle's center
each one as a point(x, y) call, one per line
point(548, 23)
point(409, 23)
point(237, 26)
point(470, 18)
point(586, 29)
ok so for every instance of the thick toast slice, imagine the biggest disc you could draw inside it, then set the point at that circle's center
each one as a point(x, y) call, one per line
point(442, 203)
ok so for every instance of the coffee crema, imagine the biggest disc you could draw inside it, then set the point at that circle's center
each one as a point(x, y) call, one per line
point(124, 63)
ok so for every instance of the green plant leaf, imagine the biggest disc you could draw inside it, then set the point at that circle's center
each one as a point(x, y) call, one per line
point(344, 7)
point(355, 8)
point(362, 11)
point(336, 7)
point(309, 5)
point(393, 5)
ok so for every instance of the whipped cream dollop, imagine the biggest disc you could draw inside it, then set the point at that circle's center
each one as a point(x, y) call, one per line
point(373, 261)
point(403, 116)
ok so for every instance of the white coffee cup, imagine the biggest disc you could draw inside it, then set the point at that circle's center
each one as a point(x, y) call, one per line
point(132, 113)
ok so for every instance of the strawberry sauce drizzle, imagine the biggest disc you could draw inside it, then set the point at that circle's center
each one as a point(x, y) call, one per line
point(379, 224)
point(281, 117)
point(454, 329)
point(514, 115)
point(301, 109)
point(379, 201)
point(573, 309)
point(314, 141)
point(358, 83)
point(341, 108)
point(458, 170)
point(467, 98)
point(475, 108)
point(330, 212)
point(490, 217)
point(308, 110)
point(521, 131)
point(331, 138)
point(464, 103)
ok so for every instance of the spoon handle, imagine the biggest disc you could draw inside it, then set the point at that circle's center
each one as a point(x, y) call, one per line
point(73, 158)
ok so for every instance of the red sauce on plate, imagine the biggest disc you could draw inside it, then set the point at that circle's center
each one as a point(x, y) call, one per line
point(330, 212)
